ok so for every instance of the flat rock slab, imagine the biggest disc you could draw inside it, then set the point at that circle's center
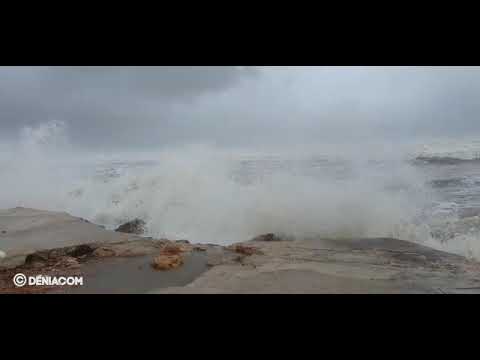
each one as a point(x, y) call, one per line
point(350, 266)
point(25, 230)
point(54, 243)
point(109, 268)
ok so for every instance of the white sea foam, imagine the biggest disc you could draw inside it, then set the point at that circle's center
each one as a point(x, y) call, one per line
point(465, 148)
point(193, 193)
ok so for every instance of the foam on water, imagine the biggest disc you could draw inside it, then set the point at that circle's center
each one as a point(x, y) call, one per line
point(466, 148)
point(209, 195)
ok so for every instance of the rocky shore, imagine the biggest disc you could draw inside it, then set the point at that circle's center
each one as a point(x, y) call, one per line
point(57, 244)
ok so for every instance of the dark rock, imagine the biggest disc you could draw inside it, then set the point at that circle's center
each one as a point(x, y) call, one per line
point(38, 257)
point(183, 242)
point(268, 237)
point(4, 231)
point(80, 250)
point(132, 227)
point(246, 250)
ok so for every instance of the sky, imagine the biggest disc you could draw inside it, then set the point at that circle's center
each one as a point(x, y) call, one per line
point(150, 107)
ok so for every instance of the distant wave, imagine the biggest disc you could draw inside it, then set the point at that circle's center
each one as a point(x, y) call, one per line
point(449, 152)
point(445, 160)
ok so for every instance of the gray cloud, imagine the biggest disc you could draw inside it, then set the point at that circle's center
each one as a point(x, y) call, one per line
point(107, 105)
point(155, 106)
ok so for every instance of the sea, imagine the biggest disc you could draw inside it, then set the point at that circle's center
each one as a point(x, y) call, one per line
point(427, 192)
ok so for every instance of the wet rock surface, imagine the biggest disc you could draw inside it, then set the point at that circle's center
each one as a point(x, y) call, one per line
point(89, 260)
point(358, 266)
point(265, 264)
point(167, 262)
point(29, 230)
point(132, 227)
point(135, 275)
point(271, 237)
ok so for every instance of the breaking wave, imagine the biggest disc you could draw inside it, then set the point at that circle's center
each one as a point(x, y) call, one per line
point(209, 195)
point(450, 152)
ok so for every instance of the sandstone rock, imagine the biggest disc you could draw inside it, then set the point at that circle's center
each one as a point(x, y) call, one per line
point(173, 249)
point(167, 262)
point(132, 227)
point(69, 262)
point(57, 253)
point(246, 250)
point(103, 252)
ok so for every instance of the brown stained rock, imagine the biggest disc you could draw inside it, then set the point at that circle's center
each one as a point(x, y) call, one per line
point(103, 252)
point(246, 250)
point(130, 252)
point(79, 251)
point(167, 262)
point(68, 262)
point(50, 257)
point(57, 253)
point(173, 249)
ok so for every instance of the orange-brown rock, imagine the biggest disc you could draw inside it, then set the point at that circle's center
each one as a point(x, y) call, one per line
point(173, 249)
point(103, 252)
point(246, 250)
point(167, 262)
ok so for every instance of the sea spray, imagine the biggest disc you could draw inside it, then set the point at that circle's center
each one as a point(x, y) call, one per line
point(207, 194)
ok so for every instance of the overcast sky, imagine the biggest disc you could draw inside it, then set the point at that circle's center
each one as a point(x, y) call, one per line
point(132, 107)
